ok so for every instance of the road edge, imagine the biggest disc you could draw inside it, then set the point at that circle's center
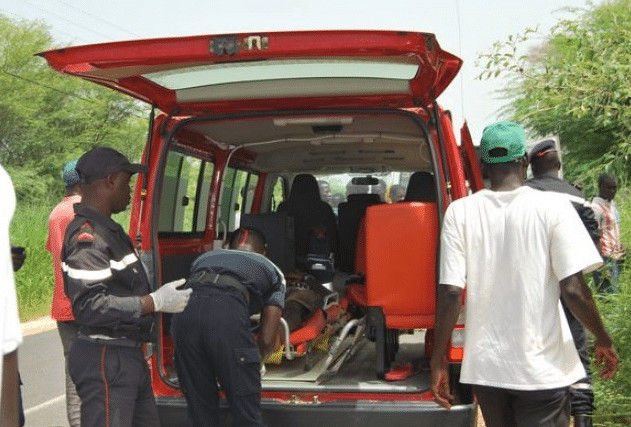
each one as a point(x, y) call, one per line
point(37, 326)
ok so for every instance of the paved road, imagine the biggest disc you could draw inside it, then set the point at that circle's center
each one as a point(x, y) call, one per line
point(41, 367)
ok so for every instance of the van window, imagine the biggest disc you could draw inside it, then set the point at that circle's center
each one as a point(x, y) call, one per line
point(278, 193)
point(184, 198)
point(239, 186)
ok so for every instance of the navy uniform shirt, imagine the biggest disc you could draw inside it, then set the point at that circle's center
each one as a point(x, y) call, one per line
point(104, 278)
point(261, 277)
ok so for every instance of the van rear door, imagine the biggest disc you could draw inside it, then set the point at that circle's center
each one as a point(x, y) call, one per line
point(472, 169)
point(243, 72)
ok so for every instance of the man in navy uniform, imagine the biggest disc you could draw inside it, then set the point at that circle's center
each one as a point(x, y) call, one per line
point(111, 299)
point(546, 164)
point(212, 336)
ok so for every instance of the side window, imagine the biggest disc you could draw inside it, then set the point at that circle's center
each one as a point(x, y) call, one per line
point(278, 193)
point(239, 186)
point(184, 198)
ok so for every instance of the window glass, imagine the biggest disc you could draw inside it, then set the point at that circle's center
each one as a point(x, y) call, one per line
point(278, 193)
point(335, 188)
point(239, 186)
point(402, 68)
point(184, 198)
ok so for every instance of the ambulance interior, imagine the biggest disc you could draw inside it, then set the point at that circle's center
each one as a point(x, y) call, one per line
point(377, 171)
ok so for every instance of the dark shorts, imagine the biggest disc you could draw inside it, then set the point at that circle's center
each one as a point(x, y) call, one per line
point(516, 408)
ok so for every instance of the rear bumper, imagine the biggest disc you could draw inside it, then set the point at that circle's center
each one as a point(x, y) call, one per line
point(347, 413)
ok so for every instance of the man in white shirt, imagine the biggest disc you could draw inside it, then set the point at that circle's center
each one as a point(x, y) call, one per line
point(517, 251)
point(10, 333)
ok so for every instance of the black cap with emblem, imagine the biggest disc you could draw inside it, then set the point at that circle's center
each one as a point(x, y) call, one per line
point(100, 162)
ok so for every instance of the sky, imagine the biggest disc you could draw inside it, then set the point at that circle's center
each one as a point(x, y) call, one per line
point(465, 28)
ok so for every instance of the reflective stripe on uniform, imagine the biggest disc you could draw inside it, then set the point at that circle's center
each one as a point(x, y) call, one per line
point(92, 275)
point(95, 275)
point(124, 263)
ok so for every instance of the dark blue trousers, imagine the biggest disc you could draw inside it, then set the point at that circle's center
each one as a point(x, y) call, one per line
point(213, 343)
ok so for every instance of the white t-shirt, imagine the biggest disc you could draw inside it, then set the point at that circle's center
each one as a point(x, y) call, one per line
point(511, 249)
point(10, 332)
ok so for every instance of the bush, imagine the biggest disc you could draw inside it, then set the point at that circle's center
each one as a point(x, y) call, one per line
point(34, 281)
point(613, 397)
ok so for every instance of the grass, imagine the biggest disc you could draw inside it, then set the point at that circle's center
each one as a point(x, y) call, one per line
point(34, 281)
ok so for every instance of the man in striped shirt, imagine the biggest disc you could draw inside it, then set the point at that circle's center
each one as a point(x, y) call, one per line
point(610, 246)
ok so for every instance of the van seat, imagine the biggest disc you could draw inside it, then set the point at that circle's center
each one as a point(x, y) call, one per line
point(349, 214)
point(401, 245)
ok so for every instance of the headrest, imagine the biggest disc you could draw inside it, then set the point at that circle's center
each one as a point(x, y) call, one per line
point(366, 198)
point(421, 188)
point(304, 187)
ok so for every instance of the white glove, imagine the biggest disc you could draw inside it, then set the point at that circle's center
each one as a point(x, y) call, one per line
point(169, 299)
point(263, 370)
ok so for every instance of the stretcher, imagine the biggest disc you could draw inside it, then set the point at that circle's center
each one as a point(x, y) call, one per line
point(325, 332)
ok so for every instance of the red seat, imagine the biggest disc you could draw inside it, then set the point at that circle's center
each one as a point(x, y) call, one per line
point(401, 244)
point(401, 253)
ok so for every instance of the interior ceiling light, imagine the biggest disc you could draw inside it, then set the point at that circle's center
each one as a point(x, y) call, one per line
point(313, 121)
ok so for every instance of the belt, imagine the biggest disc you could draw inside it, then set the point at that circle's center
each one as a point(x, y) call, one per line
point(221, 281)
point(108, 340)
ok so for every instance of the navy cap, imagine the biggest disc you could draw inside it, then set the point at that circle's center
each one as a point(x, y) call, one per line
point(100, 162)
point(541, 149)
point(70, 174)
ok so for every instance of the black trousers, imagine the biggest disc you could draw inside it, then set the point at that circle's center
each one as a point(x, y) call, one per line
point(582, 392)
point(515, 408)
point(213, 343)
point(114, 385)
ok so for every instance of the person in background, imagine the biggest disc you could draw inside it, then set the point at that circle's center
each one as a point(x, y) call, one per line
point(610, 246)
point(111, 299)
point(212, 336)
point(61, 309)
point(325, 191)
point(527, 249)
point(10, 332)
point(18, 256)
point(396, 193)
point(545, 165)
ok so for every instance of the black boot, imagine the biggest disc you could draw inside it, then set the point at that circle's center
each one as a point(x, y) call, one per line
point(582, 420)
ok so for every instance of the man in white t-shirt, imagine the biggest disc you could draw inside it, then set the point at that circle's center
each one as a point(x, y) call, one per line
point(517, 251)
point(10, 333)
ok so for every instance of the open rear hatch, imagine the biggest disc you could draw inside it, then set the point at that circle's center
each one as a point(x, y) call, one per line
point(244, 72)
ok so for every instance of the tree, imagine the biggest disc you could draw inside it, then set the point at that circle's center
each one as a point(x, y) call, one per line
point(48, 119)
point(575, 84)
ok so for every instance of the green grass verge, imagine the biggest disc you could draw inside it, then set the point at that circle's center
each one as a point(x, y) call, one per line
point(34, 281)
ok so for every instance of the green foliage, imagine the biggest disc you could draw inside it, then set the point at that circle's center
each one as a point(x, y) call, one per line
point(613, 397)
point(577, 85)
point(48, 118)
point(34, 281)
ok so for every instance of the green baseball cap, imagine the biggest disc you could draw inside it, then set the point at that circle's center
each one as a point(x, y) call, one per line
point(508, 136)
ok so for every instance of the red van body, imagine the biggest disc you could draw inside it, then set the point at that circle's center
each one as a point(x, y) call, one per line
point(234, 119)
